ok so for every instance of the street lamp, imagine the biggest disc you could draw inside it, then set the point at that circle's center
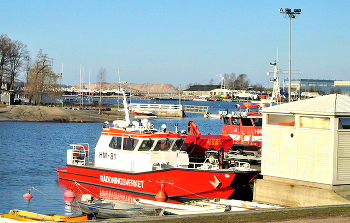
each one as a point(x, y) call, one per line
point(292, 15)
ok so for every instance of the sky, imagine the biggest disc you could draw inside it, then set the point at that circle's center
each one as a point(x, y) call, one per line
point(182, 42)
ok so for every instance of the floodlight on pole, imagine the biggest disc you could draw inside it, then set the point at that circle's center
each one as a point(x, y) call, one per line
point(291, 15)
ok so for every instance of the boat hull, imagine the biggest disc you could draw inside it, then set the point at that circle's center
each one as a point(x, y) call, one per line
point(119, 210)
point(176, 182)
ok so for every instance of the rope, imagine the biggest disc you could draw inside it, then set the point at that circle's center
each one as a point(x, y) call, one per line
point(47, 195)
point(186, 190)
point(79, 185)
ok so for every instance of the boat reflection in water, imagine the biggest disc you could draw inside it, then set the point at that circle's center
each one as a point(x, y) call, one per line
point(106, 203)
point(99, 192)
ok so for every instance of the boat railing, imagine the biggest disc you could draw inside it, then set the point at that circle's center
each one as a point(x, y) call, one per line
point(79, 154)
point(161, 164)
point(214, 165)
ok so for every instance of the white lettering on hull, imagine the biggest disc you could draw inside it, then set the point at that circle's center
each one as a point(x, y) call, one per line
point(121, 181)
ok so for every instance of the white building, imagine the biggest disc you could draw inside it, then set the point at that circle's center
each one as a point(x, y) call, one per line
point(306, 151)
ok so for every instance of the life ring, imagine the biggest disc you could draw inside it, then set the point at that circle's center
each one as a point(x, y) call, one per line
point(243, 135)
point(77, 151)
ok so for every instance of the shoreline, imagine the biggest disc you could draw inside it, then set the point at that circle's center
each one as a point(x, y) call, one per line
point(28, 113)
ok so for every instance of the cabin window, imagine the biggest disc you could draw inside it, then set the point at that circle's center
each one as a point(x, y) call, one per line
point(178, 144)
point(146, 145)
point(227, 121)
point(116, 143)
point(162, 145)
point(246, 122)
point(344, 123)
point(314, 122)
point(235, 121)
point(285, 120)
point(257, 122)
point(129, 143)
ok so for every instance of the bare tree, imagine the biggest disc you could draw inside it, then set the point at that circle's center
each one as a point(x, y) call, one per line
point(230, 80)
point(258, 87)
point(188, 85)
point(12, 57)
point(5, 45)
point(17, 56)
point(211, 82)
point(41, 78)
point(101, 77)
point(242, 82)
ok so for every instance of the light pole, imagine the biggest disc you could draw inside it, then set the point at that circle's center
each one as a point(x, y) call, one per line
point(288, 12)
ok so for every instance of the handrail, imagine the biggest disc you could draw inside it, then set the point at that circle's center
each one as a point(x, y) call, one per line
point(137, 106)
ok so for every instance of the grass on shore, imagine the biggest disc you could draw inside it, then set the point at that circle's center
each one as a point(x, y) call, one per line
point(270, 216)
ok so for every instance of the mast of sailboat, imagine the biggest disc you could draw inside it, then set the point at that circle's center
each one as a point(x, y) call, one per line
point(89, 84)
point(61, 84)
point(118, 89)
point(80, 81)
point(126, 108)
point(82, 93)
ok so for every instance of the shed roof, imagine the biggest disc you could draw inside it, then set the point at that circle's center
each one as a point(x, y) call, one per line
point(333, 104)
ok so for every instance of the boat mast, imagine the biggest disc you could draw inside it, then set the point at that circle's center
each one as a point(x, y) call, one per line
point(276, 92)
point(127, 118)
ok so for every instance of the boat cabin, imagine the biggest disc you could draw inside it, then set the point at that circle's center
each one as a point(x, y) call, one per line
point(141, 150)
point(243, 127)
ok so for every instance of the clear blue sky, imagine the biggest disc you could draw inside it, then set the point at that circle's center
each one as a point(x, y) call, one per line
point(182, 42)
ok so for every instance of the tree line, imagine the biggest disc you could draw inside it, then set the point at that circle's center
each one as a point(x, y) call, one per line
point(39, 78)
point(15, 59)
point(233, 82)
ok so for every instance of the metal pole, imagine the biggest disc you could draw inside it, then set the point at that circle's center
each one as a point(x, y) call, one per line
point(290, 56)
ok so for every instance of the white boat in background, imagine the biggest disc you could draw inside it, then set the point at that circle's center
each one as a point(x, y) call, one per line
point(187, 208)
point(201, 98)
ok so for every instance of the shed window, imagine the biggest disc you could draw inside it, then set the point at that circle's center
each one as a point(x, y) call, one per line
point(285, 120)
point(314, 122)
point(344, 123)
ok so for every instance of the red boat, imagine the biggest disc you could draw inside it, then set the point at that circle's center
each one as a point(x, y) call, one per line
point(245, 127)
point(145, 113)
point(137, 158)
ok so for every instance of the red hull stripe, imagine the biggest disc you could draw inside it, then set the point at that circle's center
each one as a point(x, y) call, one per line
point(177, 182)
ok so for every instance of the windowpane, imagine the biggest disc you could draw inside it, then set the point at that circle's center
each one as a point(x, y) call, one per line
point(257, 122)
point(146, 145)
point(314, 122)
point(285, 120)
point(116, 142)
point(246, 122)
point(178, 144)
point(162, 145)
point(129, 143)
point(344, 123)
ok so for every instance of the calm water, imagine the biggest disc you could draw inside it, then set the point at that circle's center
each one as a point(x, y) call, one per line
point(30, 152)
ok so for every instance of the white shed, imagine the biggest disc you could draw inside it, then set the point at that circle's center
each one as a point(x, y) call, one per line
point(308, 140)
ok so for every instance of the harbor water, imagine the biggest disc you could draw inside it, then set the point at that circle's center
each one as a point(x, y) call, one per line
point(30, 152)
